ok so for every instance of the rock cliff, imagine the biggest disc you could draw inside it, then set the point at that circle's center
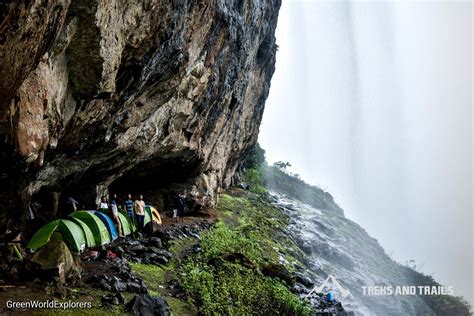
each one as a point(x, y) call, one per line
point(143, 96)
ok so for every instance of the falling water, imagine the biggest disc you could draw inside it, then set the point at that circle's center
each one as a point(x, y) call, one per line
point(372, 102)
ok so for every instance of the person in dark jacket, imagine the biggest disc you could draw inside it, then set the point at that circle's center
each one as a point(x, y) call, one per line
point(181, 203)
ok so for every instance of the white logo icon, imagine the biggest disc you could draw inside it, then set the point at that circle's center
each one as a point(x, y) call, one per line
point(332, 280)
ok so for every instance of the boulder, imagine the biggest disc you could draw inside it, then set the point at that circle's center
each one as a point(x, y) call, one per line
point(118, 285)
point(304, 279)
point(151, 228)
point(113, 299)
point(55, 260)
point(276, 270)
point(147, 305)
point(155, 242)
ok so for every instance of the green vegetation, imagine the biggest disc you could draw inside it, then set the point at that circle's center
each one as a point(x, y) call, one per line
point(225, 277)
point(154, 276)
point(278, 178)
point(158, 278)
point(254, 178)
point(255, 158)
point(442, 304)
point(260, 177)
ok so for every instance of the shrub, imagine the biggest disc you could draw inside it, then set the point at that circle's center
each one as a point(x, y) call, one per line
point(279, 180)
point(255, 158)
point(254, 177)
point(231, 287)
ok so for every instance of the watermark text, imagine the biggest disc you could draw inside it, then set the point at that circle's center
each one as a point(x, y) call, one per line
point(375, 290)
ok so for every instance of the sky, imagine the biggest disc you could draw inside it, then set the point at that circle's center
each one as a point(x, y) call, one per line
point(375, 103)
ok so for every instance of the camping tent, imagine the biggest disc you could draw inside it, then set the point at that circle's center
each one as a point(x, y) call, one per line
point(124, 219)
point(151, 214)
point(125, 223)
point(129, 220)
point(109, 223)
point(88, 234)
point(155, 215)
point(99, 230)
point(148, 215)
point(70, 232)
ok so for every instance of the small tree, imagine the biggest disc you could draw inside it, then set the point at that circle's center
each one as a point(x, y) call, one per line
point(282, 165)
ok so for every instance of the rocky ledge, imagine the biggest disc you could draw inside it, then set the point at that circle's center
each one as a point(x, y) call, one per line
point(147, 96)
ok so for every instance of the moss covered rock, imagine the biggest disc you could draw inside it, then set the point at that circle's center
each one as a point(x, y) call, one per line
point(55, 260)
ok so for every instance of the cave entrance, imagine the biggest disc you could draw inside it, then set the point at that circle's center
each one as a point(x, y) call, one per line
point(159, 180)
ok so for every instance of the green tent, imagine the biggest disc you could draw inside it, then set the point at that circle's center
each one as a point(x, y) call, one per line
point(88, 234)
point(43, 235)
point(129, 220)
point(148, 216)
point(125, 223)
point(101, 235)
point(70, 232)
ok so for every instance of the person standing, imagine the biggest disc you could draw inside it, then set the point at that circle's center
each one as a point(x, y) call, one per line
point(117, 200)
point(140, 212)
point(104, 204)
point(181, 205)
point(129, 208)
point(115, 216)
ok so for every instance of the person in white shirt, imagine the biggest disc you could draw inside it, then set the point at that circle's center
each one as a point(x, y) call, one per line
point(140, 212)
point(104, 204)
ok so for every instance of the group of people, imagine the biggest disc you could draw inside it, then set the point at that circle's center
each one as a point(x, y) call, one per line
point(135, 210)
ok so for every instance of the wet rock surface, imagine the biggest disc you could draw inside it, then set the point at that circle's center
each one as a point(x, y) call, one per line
point(107, 267)
point(146, 304)
point(322, 306)
point(339, 256)
point(144, 95)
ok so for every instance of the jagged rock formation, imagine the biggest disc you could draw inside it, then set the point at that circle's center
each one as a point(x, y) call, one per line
point(135, 95)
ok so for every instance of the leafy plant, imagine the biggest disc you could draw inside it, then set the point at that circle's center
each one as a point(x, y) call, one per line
point(220, 285)
point(255, 158)
point(254, 178)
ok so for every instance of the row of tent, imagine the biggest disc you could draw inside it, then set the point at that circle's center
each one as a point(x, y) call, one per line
point(88, 228)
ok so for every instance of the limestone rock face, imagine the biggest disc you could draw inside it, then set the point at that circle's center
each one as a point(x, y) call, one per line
point(143, 96)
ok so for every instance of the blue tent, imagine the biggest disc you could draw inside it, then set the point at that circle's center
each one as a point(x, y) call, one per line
point(109, 223)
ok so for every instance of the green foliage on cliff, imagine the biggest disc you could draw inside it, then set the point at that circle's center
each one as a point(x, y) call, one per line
point(279, 179)
point(255, 158)
point(254, 178)
point(225, 278)
point(442, 304)
point(260, 176)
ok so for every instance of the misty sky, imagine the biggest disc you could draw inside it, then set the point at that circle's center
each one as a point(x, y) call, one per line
point(372, 101)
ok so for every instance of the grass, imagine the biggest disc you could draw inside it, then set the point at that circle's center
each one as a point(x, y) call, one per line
point(154, 276)
point(281, 181)
point(225, 278)
point(159, 277)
